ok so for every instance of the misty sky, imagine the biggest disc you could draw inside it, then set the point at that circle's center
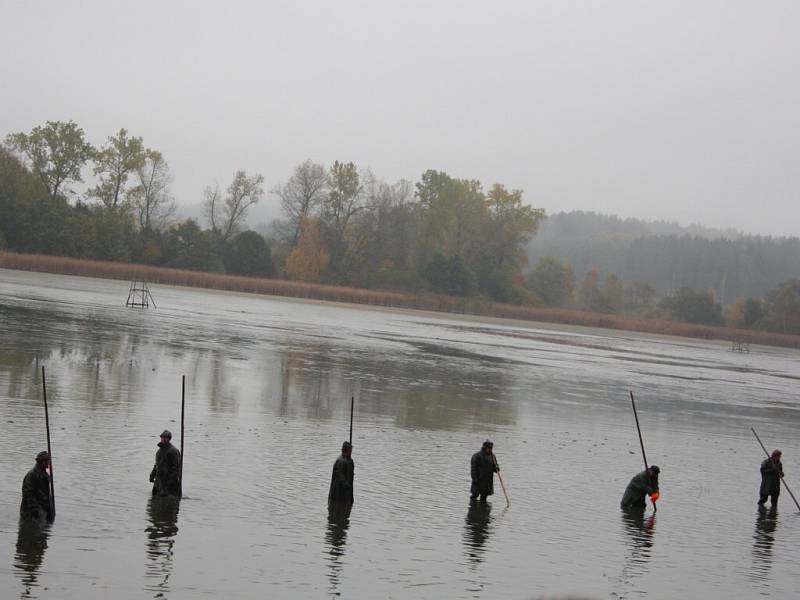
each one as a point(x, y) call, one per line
point(685, 111)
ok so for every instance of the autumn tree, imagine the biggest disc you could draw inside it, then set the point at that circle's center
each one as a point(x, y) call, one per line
point(310, 258)
point(151, 199)
point(114, 162)
point(613, 294)
point(227, 215)
point(301, 196)
point(56, 152)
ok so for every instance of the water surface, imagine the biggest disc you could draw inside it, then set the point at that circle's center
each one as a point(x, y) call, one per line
point(268, 387)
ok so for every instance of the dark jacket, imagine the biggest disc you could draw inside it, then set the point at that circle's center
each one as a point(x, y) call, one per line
point(341, 490)
point(642, 485)
point(482, 468)
point(771, 473)
point(166, 472)
point(36, 495)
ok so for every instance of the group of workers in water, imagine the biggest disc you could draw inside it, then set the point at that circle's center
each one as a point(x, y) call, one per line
point(166, 479)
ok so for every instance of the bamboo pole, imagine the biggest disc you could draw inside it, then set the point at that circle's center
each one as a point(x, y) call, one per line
point(49, 451)
point(183, 412)
point(641, 443)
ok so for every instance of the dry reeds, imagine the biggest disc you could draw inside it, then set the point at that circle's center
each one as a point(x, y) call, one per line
point(423, 301)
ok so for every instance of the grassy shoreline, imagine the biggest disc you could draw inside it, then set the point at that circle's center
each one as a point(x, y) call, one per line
point(380, 298)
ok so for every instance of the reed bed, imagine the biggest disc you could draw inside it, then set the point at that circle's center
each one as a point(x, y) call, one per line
point(422, 301)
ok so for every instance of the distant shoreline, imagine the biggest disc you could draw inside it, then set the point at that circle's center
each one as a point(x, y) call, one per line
point(445, 305)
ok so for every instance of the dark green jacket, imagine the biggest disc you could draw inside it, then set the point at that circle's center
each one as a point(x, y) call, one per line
point(167, 471)
point(641, 486)
point(482, 468)
point(341, 490)
point(771, 473)
point(36, 495)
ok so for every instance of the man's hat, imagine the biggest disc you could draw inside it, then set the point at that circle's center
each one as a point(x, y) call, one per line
point(777, 453)
point(488, 444)
point(347, 446)
point(655, 469)
point(42, 456)
point(167, 434)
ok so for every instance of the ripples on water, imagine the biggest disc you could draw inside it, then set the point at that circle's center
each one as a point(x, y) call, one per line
point(268, 389)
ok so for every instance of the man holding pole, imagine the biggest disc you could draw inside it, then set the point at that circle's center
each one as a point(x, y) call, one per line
point(642, 485)
point(36, 504)
point(483, 466)
point(771, 474)
point(166, 473)
point(341, 490)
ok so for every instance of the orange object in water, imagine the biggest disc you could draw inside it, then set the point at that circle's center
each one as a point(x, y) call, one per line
point(654, 496)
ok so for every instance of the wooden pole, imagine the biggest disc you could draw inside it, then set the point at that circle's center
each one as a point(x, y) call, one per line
point(183, 411)
point(500, 477)
point(767, 453)
point(641, 441)
point(352, 404)
point(49, 451)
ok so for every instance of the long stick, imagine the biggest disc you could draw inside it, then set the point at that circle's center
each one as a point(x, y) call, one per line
point(352, 403)
point(183, 405)
point(641, 441)
point(784, 481)
point(502, 485)
point(49, 451)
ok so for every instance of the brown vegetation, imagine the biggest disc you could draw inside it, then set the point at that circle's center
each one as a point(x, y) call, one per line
point(423, 301)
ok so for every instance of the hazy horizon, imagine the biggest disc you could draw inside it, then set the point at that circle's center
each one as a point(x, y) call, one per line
point(682, 112)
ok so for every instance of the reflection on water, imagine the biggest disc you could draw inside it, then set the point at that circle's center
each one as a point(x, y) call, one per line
point(763, 540)
point(162, 512)
point(476, 530)
point(31, 544)
point(335, 539)
point(639, 536)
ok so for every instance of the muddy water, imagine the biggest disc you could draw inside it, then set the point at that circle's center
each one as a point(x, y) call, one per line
point(268, 396)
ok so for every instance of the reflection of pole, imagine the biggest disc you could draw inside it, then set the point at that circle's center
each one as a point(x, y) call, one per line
point(183, 404)
point(352, 403)
point(49, 451)
point(641, 442)
point(500, 477)
point(767, 453)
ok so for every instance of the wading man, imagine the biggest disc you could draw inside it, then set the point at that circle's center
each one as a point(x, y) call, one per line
point(36, 504)
point(483, 466)
point(771, 474)
point(341, 490)
point(166, 473)
point(642, 485)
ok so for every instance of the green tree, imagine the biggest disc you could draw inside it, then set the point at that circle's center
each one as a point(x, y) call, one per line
point(57, 152)
point(187, 246)
point(783, 307)
point(113, 163)
point(248, 254)
point(614, 294)
point(693, 307)
point(552, 280)
point(449, 276)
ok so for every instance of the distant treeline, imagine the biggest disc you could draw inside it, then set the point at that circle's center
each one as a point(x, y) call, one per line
point(667, 256)
point(662, 270)
point(343, 226)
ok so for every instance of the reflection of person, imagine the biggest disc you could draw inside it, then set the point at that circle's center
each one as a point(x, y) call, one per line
point(771, 474)
point(476, 529)
point(483, 466)
point(335, 538)
point(166, 473)
point(642, 485)
point(341, 490)
point(31, 544)
point(763, 540)
point(36, 505)
point(162, 512)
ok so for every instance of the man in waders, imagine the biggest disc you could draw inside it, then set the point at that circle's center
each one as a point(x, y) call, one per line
point(166, 473)
point(771, 474)
point(483, 466)
point(642, 485)
point(36, 504)
point(341, 490)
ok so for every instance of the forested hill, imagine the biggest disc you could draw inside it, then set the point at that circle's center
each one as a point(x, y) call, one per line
point(667, 255)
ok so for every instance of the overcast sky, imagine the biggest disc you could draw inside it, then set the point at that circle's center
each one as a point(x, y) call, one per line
point(686, 111)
